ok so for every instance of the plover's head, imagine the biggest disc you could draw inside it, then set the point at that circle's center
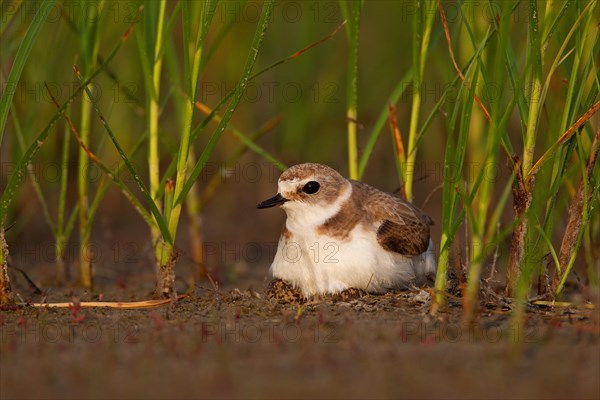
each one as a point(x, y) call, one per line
point(309, 189)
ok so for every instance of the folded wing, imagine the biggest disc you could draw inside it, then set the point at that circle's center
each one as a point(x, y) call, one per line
point(402, 228)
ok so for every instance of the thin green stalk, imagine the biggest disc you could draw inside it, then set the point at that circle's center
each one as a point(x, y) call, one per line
point(151, 55)
point(191, 82)
point(164, 252)
point(524, 186)
point(352, 87)
point(484, 155)
point(535, 98)
point(478, 225)
point(550, 247)
point(85, 264)
point(154, 108)
point(420, 45)
point(89, 51)
point(193, 202)
point(453, 165)
point(61, 233)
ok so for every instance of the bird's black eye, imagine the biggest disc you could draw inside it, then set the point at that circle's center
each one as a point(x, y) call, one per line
point(311, 187)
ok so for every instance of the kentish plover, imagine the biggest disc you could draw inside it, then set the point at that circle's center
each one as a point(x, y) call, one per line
point(342, 234)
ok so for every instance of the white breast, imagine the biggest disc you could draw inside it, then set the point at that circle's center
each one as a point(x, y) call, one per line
point(319, 264)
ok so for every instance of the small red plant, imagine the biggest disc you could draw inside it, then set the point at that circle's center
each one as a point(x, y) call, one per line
point(75, 309)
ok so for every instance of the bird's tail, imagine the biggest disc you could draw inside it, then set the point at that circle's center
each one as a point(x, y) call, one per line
point(430, 263)
point(425, 267)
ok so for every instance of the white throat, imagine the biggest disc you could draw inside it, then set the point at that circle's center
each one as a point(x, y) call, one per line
point(304, 217)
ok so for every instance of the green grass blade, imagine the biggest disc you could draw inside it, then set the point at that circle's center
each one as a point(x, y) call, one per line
point(382, 118)
point(247, 141)
point(218, 38)
point(104, 186)
point(20, 60)
point(241, 149)
point(136, 177)
point(71, 222)
point(64, 180)
point(535, 58)
point(34, 181)
point(212, 143)
point(421, 37)
point(453, 159)
point(215, 109)
point(550, 247)
point(381, 121)
point(552, 28)
point(352, 88)
point(18, 175)
point(192, 76)
point(124, 189)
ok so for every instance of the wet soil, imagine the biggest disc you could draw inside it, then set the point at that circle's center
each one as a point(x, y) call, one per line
point(235, 342)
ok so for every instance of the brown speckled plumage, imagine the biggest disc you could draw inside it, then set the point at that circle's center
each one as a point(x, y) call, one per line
point(401, 227)
point(343, 222)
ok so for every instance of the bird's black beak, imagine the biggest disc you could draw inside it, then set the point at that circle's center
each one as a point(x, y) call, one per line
point(273, 201)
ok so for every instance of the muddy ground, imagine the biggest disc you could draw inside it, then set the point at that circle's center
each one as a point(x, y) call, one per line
point(234, 342)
